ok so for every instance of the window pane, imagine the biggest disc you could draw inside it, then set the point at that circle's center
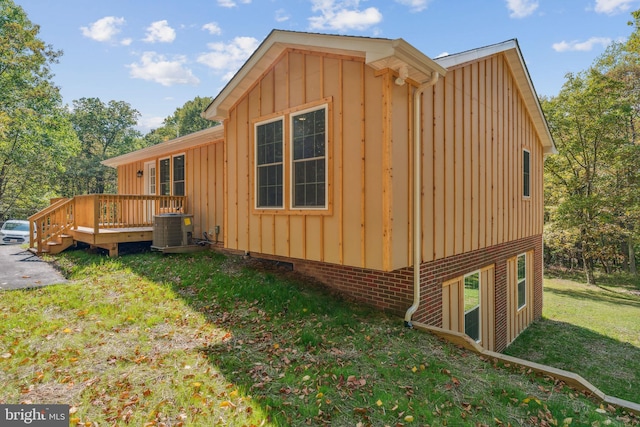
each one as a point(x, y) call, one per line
point(309, 156)
point(270, 186)
point(522, 294)
point(522, 281)
point(472, 305)
point(269, 164)
point(526, 174)
point(165, 177)
point(522, 262)
point(178, 176)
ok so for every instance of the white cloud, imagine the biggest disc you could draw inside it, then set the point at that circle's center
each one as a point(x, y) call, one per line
point(521, 8)
point(126, 42)
point(228, 58)
point(231, 3)
point(585, 46)
point(343, 15)
point(282, 15)
point(160, 31)
point(157, 68)
point(213, 28)
point(415, 5)
point(104, 29)
point(611, 7)
point(147, 123)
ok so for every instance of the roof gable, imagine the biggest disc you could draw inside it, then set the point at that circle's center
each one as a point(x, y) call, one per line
point(513, 55)
point(377, 52)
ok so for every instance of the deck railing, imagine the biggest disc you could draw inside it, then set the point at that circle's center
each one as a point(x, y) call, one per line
point(99, 211)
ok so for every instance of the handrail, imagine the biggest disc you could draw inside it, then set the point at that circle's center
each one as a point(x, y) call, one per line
point(50, 223)
point(100, 211)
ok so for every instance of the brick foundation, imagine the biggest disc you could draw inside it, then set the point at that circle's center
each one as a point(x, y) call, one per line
point(393, 291)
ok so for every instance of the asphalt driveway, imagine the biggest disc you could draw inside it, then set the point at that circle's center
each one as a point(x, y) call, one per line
point(21, 269)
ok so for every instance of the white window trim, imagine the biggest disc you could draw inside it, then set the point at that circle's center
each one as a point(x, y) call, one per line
point(147, 170)
point(256, 187)
point(526, 285)
point(326, 159)
point(173, 156)
point(479, 273)
point(171, 180)
point(526, 196)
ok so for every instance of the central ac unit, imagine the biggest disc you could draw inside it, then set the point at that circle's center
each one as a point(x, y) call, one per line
point(171, 230)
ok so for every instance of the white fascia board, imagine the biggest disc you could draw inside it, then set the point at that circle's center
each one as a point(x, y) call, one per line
point(215, 133)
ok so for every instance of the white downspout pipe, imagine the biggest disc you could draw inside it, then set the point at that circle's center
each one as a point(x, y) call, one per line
point(417, 196)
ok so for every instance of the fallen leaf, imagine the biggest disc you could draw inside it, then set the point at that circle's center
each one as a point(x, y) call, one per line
point(409, 418)
point(379, 402)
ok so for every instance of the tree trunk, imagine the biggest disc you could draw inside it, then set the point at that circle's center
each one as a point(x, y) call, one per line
point(632, 257)
point(588, 269)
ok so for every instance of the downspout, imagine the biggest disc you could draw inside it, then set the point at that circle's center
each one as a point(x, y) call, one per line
point(417, 196)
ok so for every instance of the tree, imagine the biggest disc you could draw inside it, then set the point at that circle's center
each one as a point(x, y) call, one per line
point(185, 120)
point(36, 138)
point(104, 130)
point(588, 120)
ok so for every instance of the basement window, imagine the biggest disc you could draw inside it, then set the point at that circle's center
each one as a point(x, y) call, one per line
point(522, 281)
point(472, 305)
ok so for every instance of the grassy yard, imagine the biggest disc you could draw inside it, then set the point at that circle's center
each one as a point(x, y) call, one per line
point(593, 331)
point(195, 340)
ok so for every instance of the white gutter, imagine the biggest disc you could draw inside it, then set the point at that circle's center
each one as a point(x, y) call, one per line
point(417, 196)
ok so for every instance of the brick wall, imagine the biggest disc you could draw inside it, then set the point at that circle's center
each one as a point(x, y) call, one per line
point(393, 291)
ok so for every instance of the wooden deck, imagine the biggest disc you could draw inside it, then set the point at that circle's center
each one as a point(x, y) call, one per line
point(99, 220)
point(109, 238)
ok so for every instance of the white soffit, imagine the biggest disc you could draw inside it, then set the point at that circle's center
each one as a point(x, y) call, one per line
point(212, 134)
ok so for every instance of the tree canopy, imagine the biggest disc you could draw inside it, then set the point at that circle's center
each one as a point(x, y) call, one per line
point(36, 138)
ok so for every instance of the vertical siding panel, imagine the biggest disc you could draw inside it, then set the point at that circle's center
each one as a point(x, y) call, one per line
point(296, 74)
point(500, 140)
point(472, 147)
point(313, 77)
point(454, 307)
point(333, 230)
point(400, 177)
point(218, 189)
point(279, 92)
point(427, 175)
point(438, 171)
point(491, 125)
point(446, 307)
point(354, 185)
point(232, 165)
point(459, 166)
point(252, 109)
point(244, 210)
point(449, 167)
point(387, 172)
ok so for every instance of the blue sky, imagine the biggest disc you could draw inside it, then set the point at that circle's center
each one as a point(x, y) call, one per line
point(158, 54)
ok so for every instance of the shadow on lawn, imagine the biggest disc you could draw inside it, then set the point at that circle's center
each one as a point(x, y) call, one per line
point(610, 365)
point(596, 294)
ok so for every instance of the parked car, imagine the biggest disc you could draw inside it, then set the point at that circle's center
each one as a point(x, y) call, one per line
point(14, 231)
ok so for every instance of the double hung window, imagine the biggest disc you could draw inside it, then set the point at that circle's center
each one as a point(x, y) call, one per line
point(522, 281)
point(172, 176)
point(291, 162)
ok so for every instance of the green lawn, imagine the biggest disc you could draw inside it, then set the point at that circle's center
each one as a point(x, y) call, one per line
point(592, 331)
point(204, 340)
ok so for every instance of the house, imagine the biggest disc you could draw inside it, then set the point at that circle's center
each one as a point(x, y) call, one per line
point(411, 184)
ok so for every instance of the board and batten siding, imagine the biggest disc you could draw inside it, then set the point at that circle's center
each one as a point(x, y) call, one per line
point(475, 126)
point(204, 178)
point(475, 130)
point(355, 228)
